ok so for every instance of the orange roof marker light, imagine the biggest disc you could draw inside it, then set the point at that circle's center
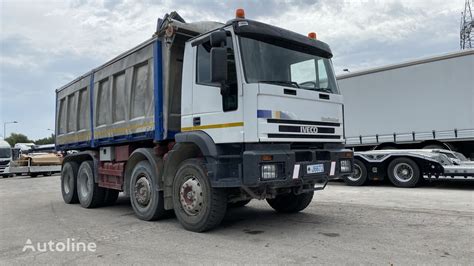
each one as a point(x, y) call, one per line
point(239, 13)
point(312, 35)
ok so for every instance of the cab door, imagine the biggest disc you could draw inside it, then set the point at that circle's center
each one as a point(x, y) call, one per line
point(216, 110)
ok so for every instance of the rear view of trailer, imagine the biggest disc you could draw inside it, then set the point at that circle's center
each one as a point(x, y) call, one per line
point(423, 102)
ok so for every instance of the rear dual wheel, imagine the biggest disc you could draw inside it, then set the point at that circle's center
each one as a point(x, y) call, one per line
point(68, 182)
point(88, 191)
point(78, 185)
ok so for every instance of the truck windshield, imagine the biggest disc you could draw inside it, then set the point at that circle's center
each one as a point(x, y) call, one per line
point(5, 153)
point(268, 63)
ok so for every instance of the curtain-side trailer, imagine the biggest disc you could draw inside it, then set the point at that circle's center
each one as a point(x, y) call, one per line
point(201, 117)
point(426, 103)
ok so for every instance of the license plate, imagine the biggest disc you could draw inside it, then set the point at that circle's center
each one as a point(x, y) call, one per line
point(315, 168)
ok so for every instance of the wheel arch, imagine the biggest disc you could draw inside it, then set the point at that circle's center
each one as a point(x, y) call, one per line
point(444, 145)
point(188, 145)
point(386, 146)
point(138, 155)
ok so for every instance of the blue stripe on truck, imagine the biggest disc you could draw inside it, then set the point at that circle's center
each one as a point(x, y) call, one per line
point(158, 89)
point(91, 107)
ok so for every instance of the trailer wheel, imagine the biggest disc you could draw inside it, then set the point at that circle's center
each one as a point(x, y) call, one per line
point(68, 182)
point(111, 196)
point(238, 204)
point(359, 178)
point(403, 172)
point(198, 206)
point(89, 193)
point(33, 174)
point(146, 199)
point(291, 203)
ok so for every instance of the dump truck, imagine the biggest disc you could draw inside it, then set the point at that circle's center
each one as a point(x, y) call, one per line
point(201, 117)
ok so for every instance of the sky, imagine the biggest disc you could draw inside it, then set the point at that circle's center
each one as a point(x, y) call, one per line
point(44, 44)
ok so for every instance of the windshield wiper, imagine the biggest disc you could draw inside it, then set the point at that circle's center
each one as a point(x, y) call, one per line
point(280, 82)
point(323, 90)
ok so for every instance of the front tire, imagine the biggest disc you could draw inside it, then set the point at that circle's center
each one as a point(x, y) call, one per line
point(68, 182)
point(146, 199)
point(88, 191)
point(359, 177)
point(403, 172)
point(291, 203)
point(198, 206)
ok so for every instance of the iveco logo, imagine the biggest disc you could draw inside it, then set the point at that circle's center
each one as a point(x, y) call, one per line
point(308, 129)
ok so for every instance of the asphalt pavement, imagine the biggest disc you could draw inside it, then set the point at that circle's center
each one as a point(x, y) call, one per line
point(377, 224)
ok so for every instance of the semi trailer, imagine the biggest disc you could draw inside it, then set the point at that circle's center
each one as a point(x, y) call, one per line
point(394, 111)
point(425, 103)
point(203, 116)
point(409, 168)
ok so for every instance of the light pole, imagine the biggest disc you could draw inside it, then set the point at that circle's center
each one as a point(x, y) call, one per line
point(5, 128)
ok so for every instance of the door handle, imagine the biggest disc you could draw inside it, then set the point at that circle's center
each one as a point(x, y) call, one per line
point(196, 121)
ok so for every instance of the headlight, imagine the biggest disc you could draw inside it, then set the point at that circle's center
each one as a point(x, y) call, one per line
point(269, 171)
point(346, 166)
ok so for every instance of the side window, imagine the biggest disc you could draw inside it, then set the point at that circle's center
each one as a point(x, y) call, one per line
point(203, 75)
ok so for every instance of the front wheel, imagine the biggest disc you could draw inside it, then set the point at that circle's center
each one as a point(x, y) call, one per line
point(198, 206)
point(403, 172)
point(290, 203)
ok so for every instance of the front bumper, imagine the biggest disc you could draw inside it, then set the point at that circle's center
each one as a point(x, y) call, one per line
point(294, 166)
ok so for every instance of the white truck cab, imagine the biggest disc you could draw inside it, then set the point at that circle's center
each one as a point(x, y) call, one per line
point(5, 156)
point(267, 85)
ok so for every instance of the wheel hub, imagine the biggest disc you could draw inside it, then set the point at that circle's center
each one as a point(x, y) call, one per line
point(190, 196)
point(403, 172)
point(142, 191)
point(357, 173)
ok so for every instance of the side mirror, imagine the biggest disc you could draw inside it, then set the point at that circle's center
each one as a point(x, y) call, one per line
point(218, 64)
point(218, 38)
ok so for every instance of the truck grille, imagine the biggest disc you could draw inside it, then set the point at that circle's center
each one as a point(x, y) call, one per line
point(2, 163)
point(304, 129)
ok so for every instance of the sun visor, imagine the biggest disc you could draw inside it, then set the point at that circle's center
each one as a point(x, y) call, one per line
point(281, 37)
